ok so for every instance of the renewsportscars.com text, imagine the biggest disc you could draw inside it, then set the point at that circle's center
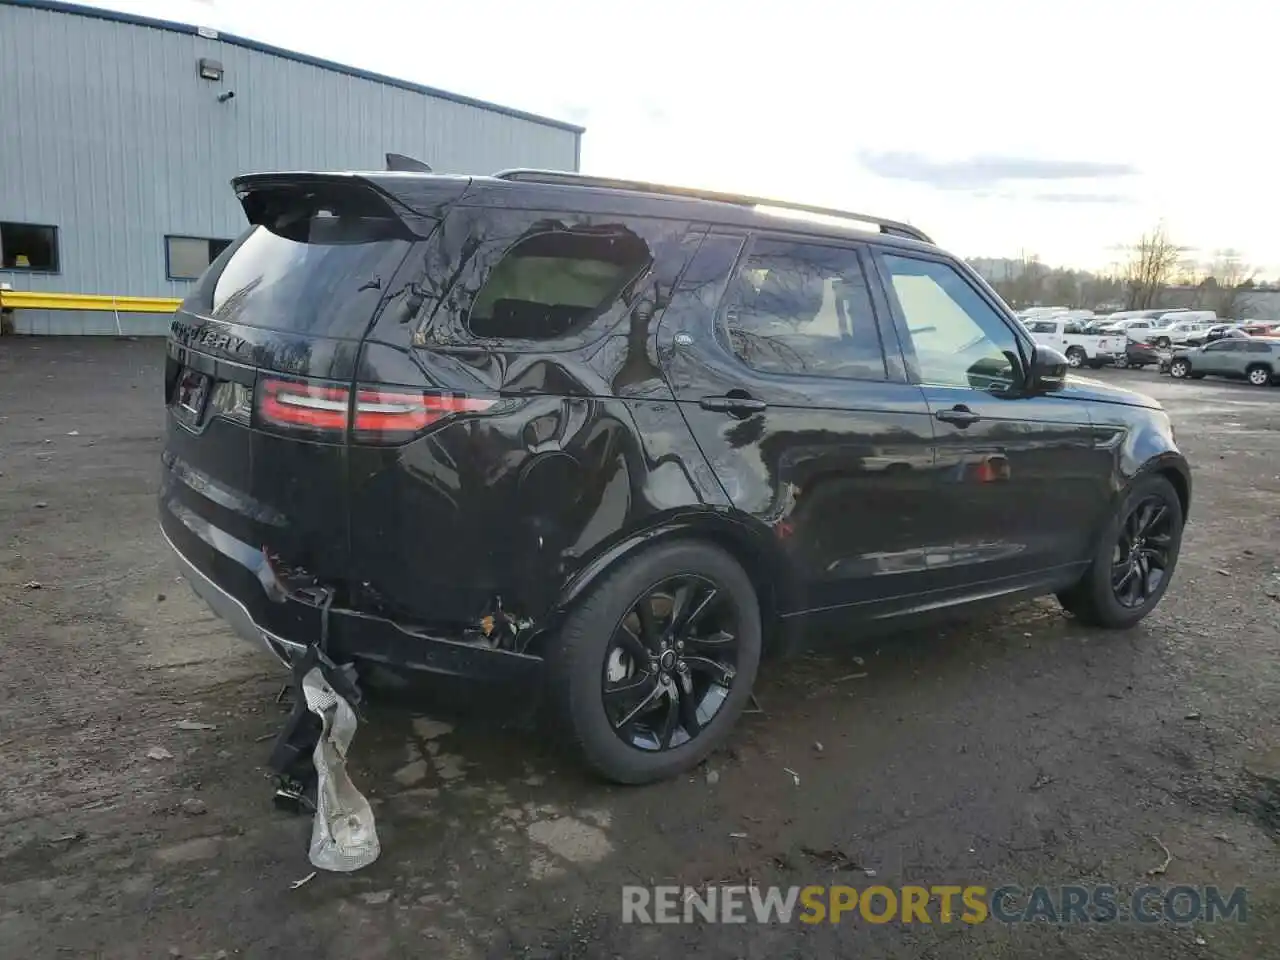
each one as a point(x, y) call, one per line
point(941, 904)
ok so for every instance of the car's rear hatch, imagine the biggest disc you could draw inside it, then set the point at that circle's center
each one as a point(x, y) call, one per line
point(260, 384)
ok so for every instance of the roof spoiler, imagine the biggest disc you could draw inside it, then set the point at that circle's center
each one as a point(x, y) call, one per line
point(419, 203)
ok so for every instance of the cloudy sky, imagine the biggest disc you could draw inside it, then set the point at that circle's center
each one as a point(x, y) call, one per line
point(1062, 129)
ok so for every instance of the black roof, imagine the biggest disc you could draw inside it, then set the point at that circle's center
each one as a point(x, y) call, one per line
point(430, 194)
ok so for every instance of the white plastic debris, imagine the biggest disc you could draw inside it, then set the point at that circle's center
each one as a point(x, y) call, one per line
point(195, 725)
point(343, 836)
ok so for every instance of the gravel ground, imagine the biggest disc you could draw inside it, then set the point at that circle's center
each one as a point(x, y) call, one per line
point(1015, 748)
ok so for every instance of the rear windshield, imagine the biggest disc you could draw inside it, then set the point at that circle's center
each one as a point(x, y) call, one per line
point(325, 279)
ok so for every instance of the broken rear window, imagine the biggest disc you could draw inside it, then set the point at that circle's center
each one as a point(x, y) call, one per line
point(553, 285)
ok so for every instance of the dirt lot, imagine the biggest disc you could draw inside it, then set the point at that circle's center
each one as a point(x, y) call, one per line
point(1019, 748)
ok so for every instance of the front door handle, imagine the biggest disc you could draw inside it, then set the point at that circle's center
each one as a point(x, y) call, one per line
point(736, 404)
point(960, 415)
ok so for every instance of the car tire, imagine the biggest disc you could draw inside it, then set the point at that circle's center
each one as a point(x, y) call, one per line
point(1076, 357)
point(1122, 363)
point(1102, 597)
point(596, 639)
point(1258, 375)
point(1179, 369)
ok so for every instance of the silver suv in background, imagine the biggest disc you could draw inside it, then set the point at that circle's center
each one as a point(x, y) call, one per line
point(1254, 359)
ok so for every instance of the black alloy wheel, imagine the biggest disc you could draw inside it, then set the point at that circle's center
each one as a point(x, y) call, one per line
point(671, 664)
point(652, 668)
point(1141, 558)
point(1133, 560)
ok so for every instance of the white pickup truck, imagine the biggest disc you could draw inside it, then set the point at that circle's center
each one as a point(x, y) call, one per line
point(1081, 349)
point(1175, 333)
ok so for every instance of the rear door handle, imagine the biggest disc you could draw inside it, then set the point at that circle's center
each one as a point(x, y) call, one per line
point(737, 405)
point(960, 415)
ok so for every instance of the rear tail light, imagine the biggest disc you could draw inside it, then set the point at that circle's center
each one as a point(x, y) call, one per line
point(374, 414)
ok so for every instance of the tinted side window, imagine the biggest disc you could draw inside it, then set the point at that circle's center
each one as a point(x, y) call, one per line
point(1257, 347)
point(959, 340)
point(803, 308)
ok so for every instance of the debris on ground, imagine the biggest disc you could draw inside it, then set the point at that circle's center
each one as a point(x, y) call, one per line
point(1225, 573)
point(713, 777)
point(1042, 780)
point(833, 859)
point(68, 837)
point(849, 676)
point(195, 725)
point(303, 882)
point(33, 585)
point(193, 807)
point(1192, 715)
point(794, 776)
point(737, 836)
point(867, 871)
point(817, 746)
point(40, 504)
point(376, 897)
point(1168, 859)
point(159, 753)
point(73, 433)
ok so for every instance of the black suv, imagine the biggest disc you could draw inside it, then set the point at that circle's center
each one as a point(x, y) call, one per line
point(623, 439)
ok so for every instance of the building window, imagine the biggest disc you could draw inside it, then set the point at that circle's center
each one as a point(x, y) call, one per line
point(28, 246)
point(186, 258)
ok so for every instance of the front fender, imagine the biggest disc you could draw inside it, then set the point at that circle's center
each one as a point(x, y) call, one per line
point(1143, 443)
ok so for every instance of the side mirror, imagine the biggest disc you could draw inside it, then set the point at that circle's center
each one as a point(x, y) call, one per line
point(1048, 372)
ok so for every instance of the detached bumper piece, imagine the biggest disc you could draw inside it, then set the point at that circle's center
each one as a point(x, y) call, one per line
point(309, 757)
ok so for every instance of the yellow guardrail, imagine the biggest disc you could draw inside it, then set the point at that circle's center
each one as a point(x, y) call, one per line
point(30, 300)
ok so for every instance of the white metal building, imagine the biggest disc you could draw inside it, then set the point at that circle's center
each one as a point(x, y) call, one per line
point(119, 136)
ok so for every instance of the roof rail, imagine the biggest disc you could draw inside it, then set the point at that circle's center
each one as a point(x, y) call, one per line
point(529, 175)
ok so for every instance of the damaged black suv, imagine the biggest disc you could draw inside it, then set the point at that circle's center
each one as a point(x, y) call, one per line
point(621, 440)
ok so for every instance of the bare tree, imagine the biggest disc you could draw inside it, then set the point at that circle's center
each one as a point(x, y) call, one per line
point(1152, 263)
point(1227, 284)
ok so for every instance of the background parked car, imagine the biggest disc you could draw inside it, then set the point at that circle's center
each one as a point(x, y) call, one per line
point(1139, 355)
point(1079, 347)
point(1243, 358)
point(1172, 335)
point(1216, 332)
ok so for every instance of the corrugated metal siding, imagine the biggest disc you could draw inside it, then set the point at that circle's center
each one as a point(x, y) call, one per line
point(107, 131)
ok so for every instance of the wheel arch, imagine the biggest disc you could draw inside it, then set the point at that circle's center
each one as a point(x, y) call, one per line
point(1174, 469)
point(759, 556)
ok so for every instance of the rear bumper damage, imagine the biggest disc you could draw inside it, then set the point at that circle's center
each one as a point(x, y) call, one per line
point(235, 581)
